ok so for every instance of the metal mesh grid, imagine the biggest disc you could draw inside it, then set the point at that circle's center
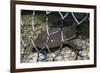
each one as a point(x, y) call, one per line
point(29, 35)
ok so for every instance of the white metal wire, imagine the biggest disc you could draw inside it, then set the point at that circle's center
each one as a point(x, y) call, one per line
point(78, 22)
point(63, 16)
point(33, 21)
point(23, 43)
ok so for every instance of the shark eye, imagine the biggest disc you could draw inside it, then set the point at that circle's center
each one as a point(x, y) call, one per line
point(51, 40)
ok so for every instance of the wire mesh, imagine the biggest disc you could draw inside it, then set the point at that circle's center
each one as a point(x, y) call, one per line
point(30, 30)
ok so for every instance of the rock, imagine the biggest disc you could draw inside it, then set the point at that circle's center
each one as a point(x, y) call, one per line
point(59, 58)
point(84, 53)
point(83, 42)
point(84, 46)
point(68, 51)
point(51, 56)
point(22, 51)
point(79, 58)
point(32, 58)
